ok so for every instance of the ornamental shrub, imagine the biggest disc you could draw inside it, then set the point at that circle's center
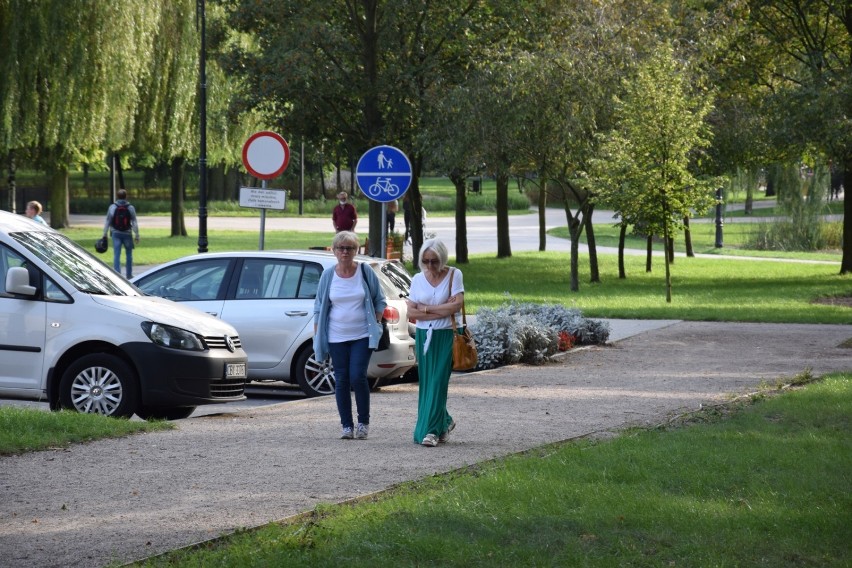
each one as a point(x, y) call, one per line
point(530, 333)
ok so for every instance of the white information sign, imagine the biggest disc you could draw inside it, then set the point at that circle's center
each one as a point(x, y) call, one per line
point(260, 198)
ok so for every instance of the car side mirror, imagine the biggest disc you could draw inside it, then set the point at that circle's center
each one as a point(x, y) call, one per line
point(18, 282)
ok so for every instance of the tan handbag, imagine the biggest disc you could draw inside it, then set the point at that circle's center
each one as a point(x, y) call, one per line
point(464, 348)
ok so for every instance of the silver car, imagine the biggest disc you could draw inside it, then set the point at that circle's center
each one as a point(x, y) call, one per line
point(269, 297)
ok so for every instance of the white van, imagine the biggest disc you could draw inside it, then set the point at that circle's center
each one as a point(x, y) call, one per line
point(79, 336)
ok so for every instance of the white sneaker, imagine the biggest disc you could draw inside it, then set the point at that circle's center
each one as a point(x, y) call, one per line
point(346, 434)
point(430, 440)
point(361, 431)
point(446, 435)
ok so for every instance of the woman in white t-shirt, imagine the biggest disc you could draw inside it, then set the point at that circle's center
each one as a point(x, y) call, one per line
point(347, 312)
point(433, 303)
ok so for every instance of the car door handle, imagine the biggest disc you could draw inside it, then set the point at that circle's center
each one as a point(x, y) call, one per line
point(296, 314)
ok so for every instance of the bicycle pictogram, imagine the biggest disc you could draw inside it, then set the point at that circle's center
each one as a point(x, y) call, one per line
point(383, 184)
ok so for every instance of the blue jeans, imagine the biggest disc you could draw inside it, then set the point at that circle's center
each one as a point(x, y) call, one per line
point(350, 360)
point(119, 239)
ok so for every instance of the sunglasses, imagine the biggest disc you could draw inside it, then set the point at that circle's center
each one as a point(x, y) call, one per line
point(431, 261)
point(347, 249)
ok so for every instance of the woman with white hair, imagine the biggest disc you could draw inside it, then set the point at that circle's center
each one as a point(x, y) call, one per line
point(437, 293)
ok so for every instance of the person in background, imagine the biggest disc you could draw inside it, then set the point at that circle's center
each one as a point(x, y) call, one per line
point(34, 212)
point(347, 310)
point(432, 303)
point(121, 221)
point(344, 217)
point(393, 207)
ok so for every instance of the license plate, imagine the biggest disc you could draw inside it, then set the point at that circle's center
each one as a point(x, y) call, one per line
point(235, 370)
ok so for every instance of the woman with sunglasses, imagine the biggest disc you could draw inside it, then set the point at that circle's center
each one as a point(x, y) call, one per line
point(347, 314)
point(433, 303)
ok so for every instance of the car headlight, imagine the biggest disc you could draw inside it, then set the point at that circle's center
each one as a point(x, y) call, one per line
point(173, 337)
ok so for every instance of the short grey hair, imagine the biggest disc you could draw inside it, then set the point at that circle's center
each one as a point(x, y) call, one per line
point(436, 246)
point(345, 237)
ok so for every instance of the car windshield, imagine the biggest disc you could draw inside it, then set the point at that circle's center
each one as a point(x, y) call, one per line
point(74, 263)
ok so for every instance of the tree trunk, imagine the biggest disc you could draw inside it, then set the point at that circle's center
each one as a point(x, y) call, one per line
point(216, 182)
point(459, 182)
point(666, 239)
point(176, 181)
point(669, 248)
point(338, 177)
point(416, 199)
point(594, 268)
point(749, 200)
point(504, 247)
point(575, 229)
point(542, 216)
point(770, 180)
point(622, 235)
point(86, 188)
point(846, 259)
point(323, 187)
point(232, 183)
point(58, 189)
point(374, 221)
point(13, 197)
point(687, 238)
point(650, 252)
point(119, 171)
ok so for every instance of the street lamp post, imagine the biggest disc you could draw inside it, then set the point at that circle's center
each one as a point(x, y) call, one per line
point(202, 160)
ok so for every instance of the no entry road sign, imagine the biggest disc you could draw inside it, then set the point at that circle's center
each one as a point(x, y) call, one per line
point(383, 173)
point(266, 155)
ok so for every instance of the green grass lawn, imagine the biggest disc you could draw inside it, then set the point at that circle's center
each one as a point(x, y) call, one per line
point(711, 289)
point(703, 288)
point(763, 482)
point(27, 429)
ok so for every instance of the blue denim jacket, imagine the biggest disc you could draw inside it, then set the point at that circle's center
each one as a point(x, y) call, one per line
point(374, 302)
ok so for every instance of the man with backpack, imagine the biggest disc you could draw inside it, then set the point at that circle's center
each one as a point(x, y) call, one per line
point(121, 221)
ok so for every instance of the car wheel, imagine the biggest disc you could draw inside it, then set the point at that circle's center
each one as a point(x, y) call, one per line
point(99, 384)
point(315, 378)
point(165, 412)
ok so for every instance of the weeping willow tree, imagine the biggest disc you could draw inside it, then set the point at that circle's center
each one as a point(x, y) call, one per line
point(801, 197)
point(72, 71)
point(166, 122)
point(167, 118)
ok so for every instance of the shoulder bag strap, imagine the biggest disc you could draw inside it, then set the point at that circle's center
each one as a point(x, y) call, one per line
point(453, 317)
point(367, 282)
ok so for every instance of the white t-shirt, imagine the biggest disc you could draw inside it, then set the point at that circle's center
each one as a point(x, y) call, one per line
point(422, 292)
point(346, 319)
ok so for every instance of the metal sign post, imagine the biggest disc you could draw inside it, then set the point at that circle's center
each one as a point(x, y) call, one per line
point(265, 156)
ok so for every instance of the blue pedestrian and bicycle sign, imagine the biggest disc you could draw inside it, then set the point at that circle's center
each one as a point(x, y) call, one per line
point(383, 173)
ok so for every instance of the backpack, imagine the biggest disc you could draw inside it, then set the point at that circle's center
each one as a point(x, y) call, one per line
point(121, 217)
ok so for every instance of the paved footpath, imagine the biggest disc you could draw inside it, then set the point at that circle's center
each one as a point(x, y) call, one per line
point(119, 500)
